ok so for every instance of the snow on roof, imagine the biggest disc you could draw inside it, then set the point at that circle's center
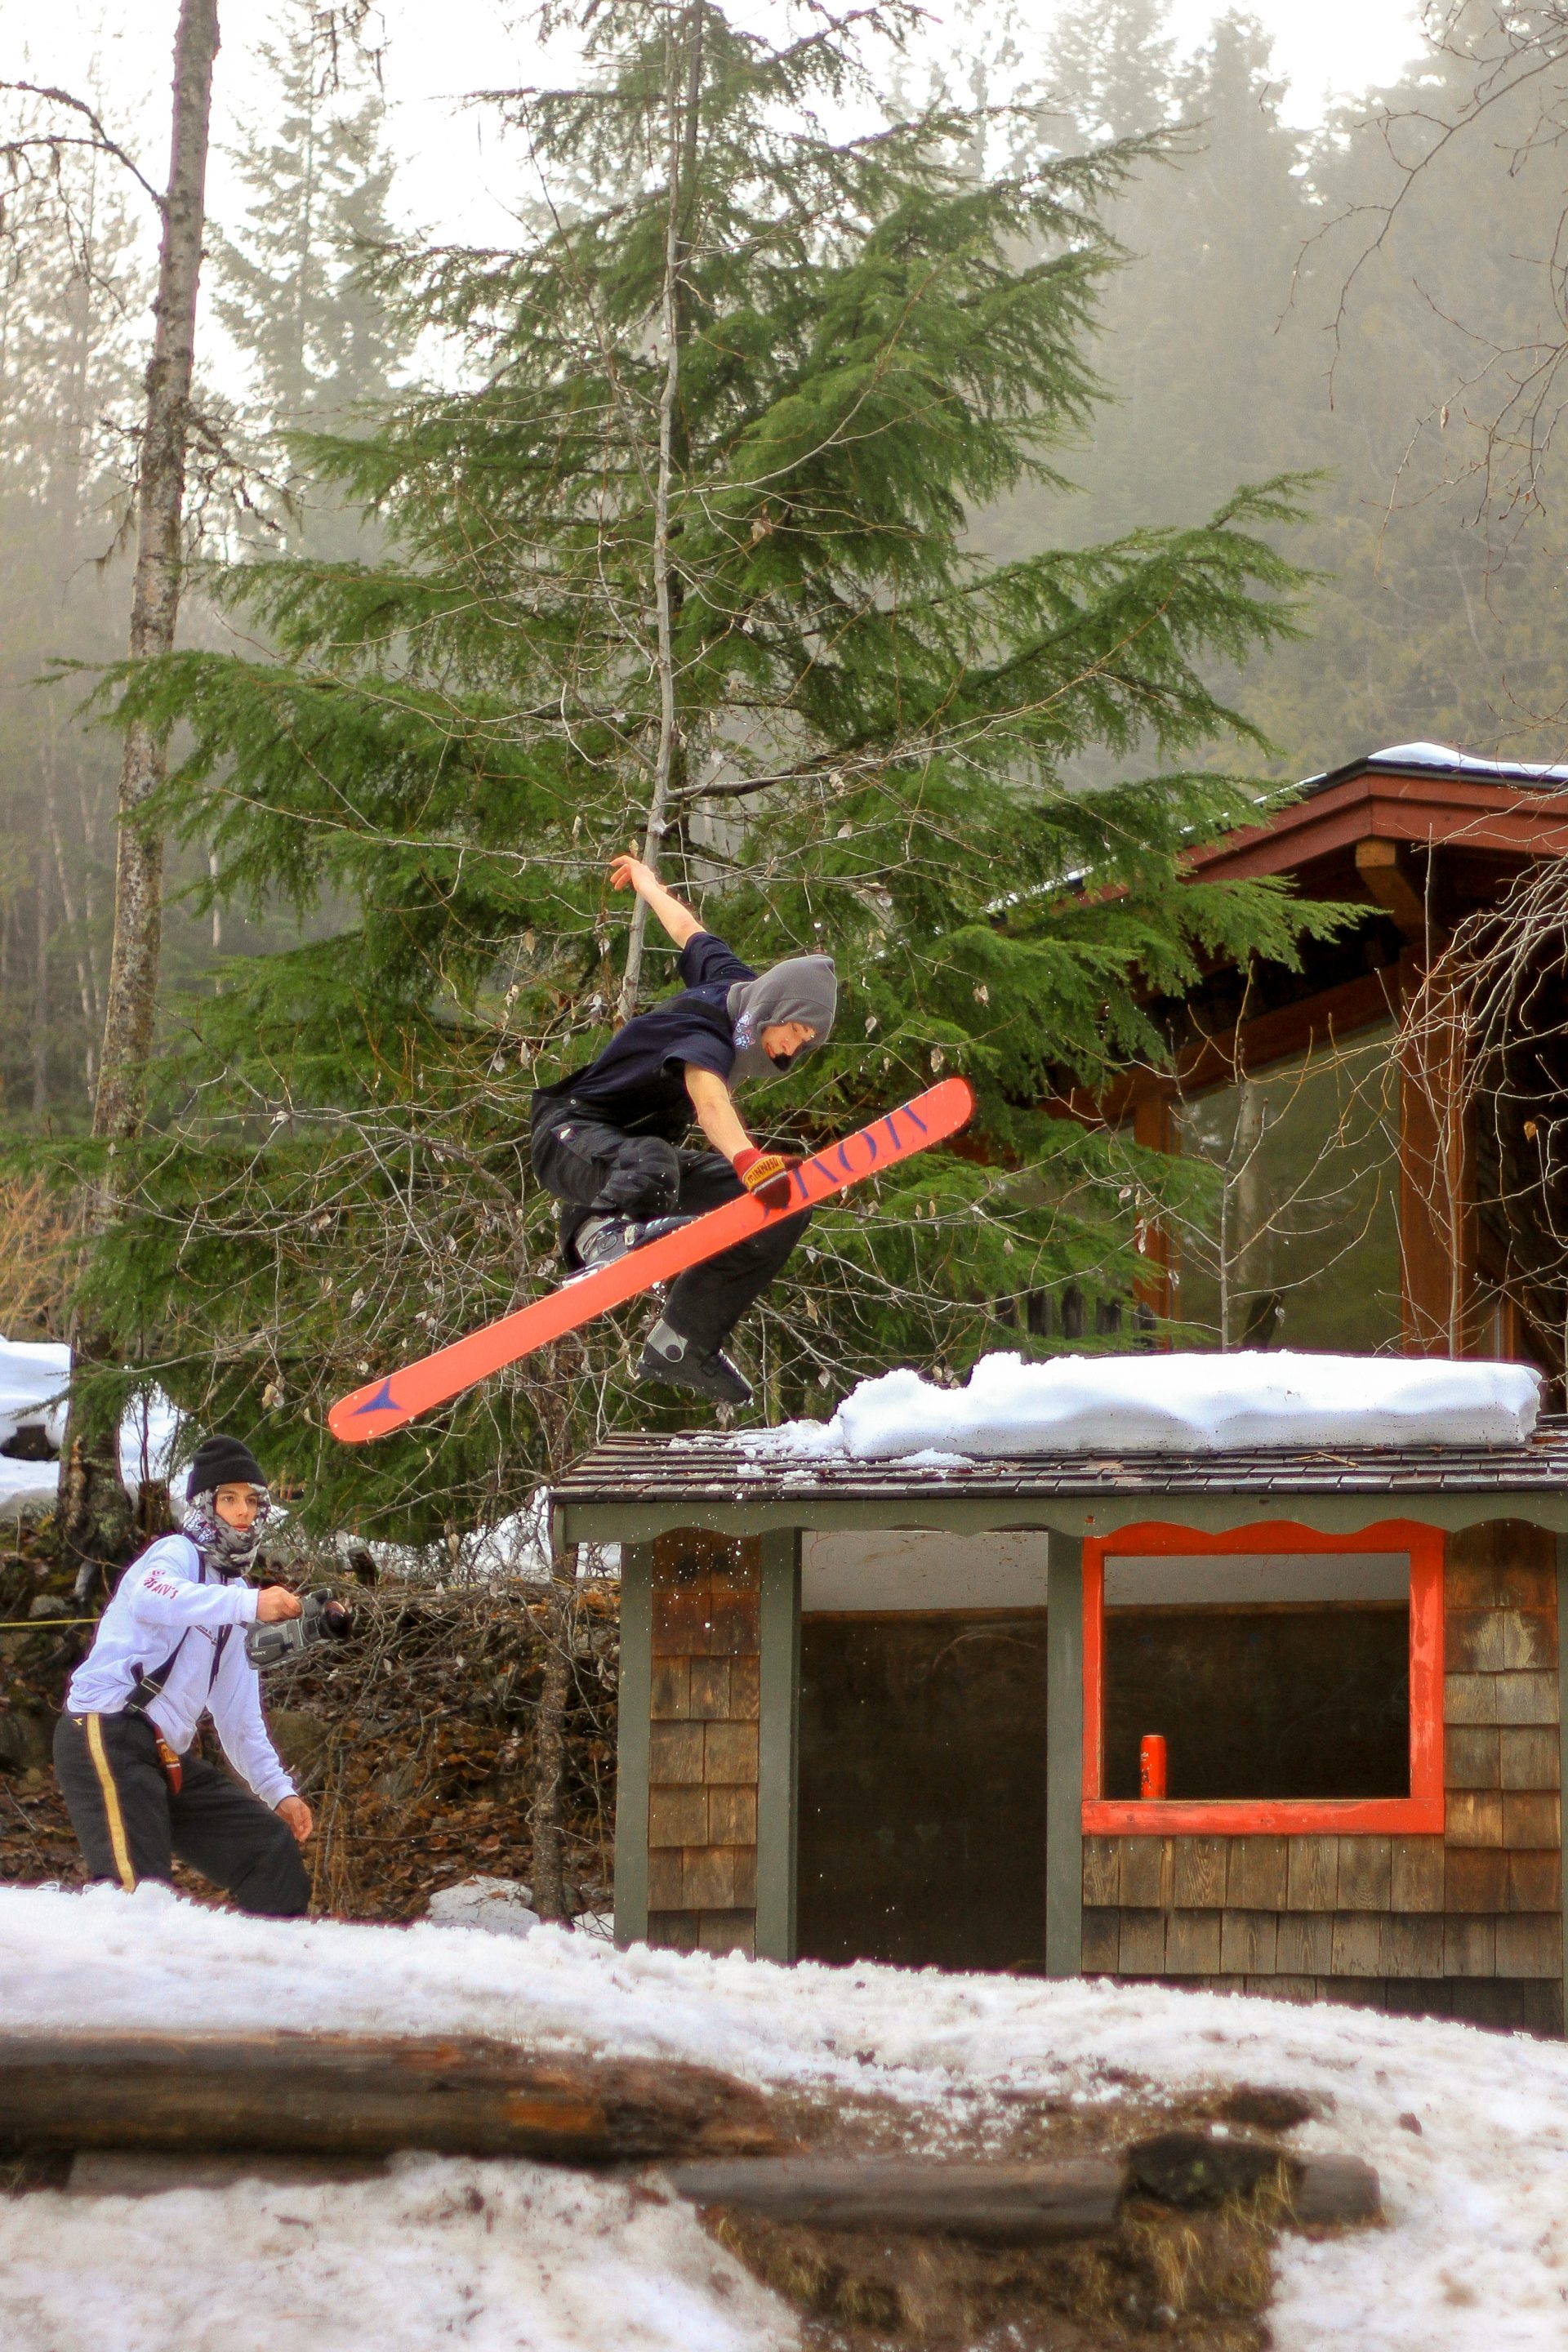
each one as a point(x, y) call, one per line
point(1444, 757)
point(1179, 1403)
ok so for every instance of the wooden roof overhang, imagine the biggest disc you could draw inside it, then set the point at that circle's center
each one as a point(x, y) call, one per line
point(634, 1488)
point(1418, 844)
point(1492, 827)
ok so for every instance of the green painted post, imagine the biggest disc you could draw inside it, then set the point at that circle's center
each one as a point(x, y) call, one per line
point(778, 1742)
point(1064, 1757)
point(1562, 1734)
point(634, 1742)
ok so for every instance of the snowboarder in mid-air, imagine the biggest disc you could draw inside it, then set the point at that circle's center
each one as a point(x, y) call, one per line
point(607, 1139)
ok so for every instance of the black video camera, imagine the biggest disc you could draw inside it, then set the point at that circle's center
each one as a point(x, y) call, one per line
point(320, 1619)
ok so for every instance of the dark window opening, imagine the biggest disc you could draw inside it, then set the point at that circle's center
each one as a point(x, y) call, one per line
point(1268, 1675)
point(922, 1789)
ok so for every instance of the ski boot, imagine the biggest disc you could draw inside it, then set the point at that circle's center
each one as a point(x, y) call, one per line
point(670, 1357)
point(602, 1240)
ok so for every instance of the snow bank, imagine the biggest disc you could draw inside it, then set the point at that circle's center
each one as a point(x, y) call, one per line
point(1475, 2256)
point(34, 1377)
point(1175, 1404)
point(494, 2256)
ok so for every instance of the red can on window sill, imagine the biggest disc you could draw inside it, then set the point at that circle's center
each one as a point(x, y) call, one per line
point(1152, 1765)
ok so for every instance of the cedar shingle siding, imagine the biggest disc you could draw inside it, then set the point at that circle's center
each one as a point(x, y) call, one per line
point(703, 1767)
point(1468, 1925)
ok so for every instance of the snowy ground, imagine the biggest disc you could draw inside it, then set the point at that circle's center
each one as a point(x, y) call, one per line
point(1475, 2258)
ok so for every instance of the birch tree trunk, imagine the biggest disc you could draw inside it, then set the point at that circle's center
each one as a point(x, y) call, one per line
point(683, 176)
point(97, 1514)
point(155, 596)
point(40, 983)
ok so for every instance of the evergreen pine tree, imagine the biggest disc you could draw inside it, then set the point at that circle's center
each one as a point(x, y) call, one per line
point(695, 523)
point(291, 289)
point(1110, 64)
point(69, 292)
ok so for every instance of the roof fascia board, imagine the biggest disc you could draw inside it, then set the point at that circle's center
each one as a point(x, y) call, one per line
point(1392, 804)
point(636, 1519)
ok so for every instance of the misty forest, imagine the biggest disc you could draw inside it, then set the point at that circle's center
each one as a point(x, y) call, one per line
point(916, 492)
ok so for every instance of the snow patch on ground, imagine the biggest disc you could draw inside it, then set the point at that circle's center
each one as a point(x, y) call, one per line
point(1170, 1405)
point(495, 2255)
point(1475, 2258)
point(500, 1907)
point(34, 1377)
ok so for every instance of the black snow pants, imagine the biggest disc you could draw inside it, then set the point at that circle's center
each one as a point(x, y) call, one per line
point(129, 1823)
point(596, 1170)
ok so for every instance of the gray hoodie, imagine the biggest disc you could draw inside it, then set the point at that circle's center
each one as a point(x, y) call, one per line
point(803, 989)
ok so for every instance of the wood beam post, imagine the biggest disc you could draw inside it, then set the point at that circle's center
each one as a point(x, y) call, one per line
point(1064, 1756)
point(634, 1743)
point(1382, 868)
point(1436, 1224)
point(778, 1745)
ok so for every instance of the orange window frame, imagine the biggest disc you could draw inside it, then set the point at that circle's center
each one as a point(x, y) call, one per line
point(1421, 1812)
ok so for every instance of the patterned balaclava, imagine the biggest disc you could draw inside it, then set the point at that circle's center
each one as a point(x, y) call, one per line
point(232, 1551)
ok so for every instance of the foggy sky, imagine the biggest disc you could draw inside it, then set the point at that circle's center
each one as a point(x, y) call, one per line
point(452, 183)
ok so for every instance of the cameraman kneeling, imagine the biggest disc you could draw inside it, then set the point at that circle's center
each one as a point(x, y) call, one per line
point(170, 1647)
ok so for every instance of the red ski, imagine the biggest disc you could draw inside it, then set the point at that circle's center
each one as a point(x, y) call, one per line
point(385, 1405)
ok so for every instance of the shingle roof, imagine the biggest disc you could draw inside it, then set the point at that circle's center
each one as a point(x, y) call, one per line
point(708, 1467)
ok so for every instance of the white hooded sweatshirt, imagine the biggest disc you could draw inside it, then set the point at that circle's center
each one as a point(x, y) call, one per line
point(172, 1604)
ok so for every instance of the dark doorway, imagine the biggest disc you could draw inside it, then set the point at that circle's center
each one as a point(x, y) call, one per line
point(922, 1789)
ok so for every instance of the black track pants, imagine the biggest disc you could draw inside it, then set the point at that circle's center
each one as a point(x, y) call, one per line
point(594, 1171)
point(130, 1825)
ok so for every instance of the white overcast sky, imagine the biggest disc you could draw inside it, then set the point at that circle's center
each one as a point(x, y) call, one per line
point(453, 182)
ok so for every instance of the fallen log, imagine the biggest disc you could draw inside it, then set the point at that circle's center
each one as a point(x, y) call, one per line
point(348, 2094)
point(1000, 2204)
point(1195, 2168)
point(1202, 2170)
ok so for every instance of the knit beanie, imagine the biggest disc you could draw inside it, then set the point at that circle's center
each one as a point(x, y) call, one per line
point(224, 1462)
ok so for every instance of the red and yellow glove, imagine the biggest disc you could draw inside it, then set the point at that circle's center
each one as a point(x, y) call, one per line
point(764, 1173)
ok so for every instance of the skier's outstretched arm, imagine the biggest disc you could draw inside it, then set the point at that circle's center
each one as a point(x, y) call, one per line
point(758, 1170)
point(716, 1113)
point(629, 873)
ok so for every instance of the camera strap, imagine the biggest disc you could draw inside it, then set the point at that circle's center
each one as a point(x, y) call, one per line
point(149, 1685)
point(146, 1688)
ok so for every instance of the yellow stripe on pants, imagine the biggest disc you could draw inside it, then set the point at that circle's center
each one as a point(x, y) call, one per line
point(111, 1800)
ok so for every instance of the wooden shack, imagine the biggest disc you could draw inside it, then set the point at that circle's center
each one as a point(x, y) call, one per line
point(892, 1711)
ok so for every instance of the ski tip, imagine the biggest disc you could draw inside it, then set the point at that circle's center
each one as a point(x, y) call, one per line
point(368, 1412)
